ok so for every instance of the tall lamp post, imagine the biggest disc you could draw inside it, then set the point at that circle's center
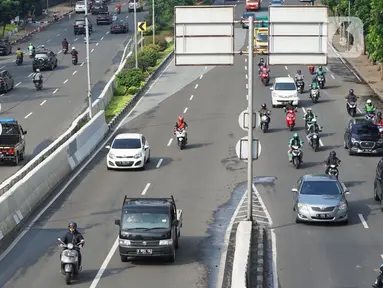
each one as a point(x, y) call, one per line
point(153, 24)
point(135, 32)
point(348, 33)
point(88, 60)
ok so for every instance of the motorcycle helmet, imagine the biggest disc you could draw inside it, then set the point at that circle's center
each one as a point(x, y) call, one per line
point(73, 48)
point(369, 101)
point(72, 226)
point(181, 118)
point(37, 70)
point(42, 46)
point(296, 136)
point(320, 67)
point(264, 106)
point(381, 268)
point(309, 110)
point(299, 72)
point(261, 60)
point(332, 153)
point(351, 91)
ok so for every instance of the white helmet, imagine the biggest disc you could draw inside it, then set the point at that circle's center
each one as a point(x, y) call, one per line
point(42, 46)
point(37, 70)
point(369, 101)
point(73, 48)
point(309, 109)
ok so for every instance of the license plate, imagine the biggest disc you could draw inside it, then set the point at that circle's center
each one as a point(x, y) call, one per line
point(145, 251)
point(367, 150)
point(323, 215)
point(125, 163)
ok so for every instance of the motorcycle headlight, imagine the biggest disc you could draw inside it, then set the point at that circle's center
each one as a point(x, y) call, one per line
point(70, 246)
point(124, 242)
point(315, 136)
point(353, 140)
point(343, 206)
point(111, 156)
point(166, 242)
point(302, 206)
point(138, 155)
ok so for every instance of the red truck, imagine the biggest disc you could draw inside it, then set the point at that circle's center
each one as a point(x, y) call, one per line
point(253, 5)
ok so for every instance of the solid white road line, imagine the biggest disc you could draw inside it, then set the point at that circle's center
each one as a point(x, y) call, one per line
point(359, 111)
point(205, 67)
point(57, 89)
point(65, 81)
point(185, 110)
point(170, 142)
point(364, 223)
point(289, 75)
point(321, 143)
point(17, 84)
point(146, 189)
point(304, 110)
point(191, 97)
point(42, 103)
point(196, 86)
point(75, 39)
point(28, 115)
point(30, 75)
point(159, 163)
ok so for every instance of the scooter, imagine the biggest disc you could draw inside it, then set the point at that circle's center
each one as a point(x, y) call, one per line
point(38, 84)
point(31, 54)
point(300, 86)
point(265, 120)
point(297, 156)
point(370, 115)
point(19, 61)
point(74, 60)
point(181, 138)
point(314, 95)
point(65, 50)
point(70, 265)
point(265, 78)
point(314, 141)
point(351, 108)
point(321, 81)
point(333, 171)
point(290, 119)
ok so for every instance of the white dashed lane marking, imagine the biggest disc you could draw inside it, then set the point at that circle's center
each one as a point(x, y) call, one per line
point(170, 142)
point(28, 115)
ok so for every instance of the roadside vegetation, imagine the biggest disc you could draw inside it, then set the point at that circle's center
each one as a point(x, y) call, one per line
point(371, 14)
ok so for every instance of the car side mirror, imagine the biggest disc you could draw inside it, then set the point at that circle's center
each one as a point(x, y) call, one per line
point(25, 132)
point(346, 193)
point(146, 147)
point(294, 190)
point(107, 147)
point(59, 239)
point(117, 222)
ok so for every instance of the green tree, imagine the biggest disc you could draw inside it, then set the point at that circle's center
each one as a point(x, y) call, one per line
point(9, 9)
point(375, 35)
point(27, 6)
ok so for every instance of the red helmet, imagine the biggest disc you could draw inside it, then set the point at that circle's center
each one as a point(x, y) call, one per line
point(181, 118)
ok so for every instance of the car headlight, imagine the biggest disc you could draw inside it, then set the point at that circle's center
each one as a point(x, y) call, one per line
point(125, 242)
point(138, 155)
point(343, 206)
point(302, 206)
point(353, 140)
point(166, 242)
point(111, 156)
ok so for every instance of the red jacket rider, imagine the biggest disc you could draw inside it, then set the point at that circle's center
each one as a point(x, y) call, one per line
point(379, 120)
point(118, 6)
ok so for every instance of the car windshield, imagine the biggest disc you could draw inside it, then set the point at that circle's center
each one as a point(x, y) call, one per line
point(97, 4)
point(126, 144)
point(320, 188)
point(80, 22)
point(262, 37)
point(103, 13)
point(154, 219)
point(41, 55)
point(285, 86)
point(80, 3)
point(365, 129)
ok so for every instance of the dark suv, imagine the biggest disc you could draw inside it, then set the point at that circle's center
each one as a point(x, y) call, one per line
point(378, 184)
point(5, 47)
point(104, 18)
point(44, 60)
point(99, 7)
point(362, 136)
point(6, 81)
point(79, 26)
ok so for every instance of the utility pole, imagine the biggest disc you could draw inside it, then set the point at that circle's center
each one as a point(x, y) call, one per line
point(348, 33)
point(135, 32)
point(153, 24)
point(88, 60)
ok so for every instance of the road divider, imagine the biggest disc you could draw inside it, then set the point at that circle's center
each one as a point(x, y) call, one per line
point(23, 197)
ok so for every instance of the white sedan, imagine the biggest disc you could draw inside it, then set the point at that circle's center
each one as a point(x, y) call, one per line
point(284, 91)
point(128, 151)
point(80, 7)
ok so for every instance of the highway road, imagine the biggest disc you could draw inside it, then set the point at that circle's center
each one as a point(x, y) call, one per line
point(46, 114)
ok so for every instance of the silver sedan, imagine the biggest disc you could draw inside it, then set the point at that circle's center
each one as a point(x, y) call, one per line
point(320, 198)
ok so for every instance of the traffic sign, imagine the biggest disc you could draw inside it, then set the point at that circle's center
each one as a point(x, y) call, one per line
point(243, 120)
point(142, 26)
point(242, 149)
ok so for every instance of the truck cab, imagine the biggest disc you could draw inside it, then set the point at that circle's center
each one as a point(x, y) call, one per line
point(12, 141)
point(261, 40)
point(149, 228)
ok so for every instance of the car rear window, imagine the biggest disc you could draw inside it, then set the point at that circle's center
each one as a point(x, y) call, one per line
point(80, 3)
point(320, 188)
point(261, 37)
point(103, 13)
point(285, 86)
point(41, 55)
point(364, 129)
point(126, 144)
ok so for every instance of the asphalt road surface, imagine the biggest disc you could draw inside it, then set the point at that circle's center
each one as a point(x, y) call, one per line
point(46, 114)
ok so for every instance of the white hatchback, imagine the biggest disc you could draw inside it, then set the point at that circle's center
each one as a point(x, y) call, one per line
point(284, 91)
point(80, 7)
point(128, 151)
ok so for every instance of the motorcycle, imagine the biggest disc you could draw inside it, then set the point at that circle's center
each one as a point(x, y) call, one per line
point(312, 69)
point(333, 171)
point(55, 17)
point(38, 84)
point(300, 86)
point(380, 130)
point(351, 108)
point(265, 77)
point(265, 120)
point(181, 138)
point(297, 156)
point(31, 54)
point(70, 265)
point(118, 10)
point(19, 61)
point(314, 95)
point(314, 141)
point(65, 50)
point(321, 81)
point(370, 115)
point(290, 120)
point(74, 60)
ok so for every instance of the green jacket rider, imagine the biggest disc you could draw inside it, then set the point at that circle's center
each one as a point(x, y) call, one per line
point(31, 47)
point(314, 84)
point(369, 107)
point(320, 71)
point(309, 115)
point(294, 141)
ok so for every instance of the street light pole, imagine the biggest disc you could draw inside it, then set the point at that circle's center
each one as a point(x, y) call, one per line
point(348, 33)
point(88, 60)
point(135, 32)
point(153, 24)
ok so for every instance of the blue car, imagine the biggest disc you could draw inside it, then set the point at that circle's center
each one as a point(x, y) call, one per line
point(276, 3)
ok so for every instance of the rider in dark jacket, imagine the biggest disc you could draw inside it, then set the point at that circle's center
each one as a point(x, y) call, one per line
point(379, 280)
point(65, 44)
point(74, 237)
point(331, 160)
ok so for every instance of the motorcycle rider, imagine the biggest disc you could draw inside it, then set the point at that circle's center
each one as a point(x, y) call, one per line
point(20, 54)
point(309, 116)
point(379, 280)
point(314, 84)
point(369, 107)
point(65, 44)
point(31, 48)
point(320, 72)
point(313, 128)
point(264, 111)
point(261, 63)
point(351, 97)
point(298, 76)
point(331, 160)
point(295, 141)
point(378, 119)
point(38, 77)
point(118, 7)
point(75, 237)
point(181, 124)
point(74, 53)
